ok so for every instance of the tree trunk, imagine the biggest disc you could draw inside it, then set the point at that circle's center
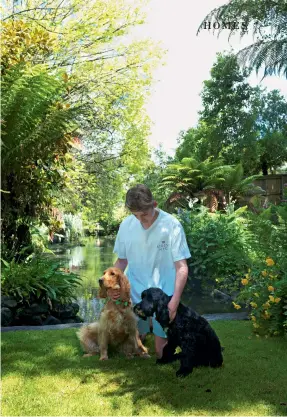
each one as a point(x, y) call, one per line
point(212, 203)
point(264, 168)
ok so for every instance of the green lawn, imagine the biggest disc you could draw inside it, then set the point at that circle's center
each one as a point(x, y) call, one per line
point(44, 374)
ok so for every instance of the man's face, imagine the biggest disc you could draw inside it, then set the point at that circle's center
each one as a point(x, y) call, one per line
point(145, 217)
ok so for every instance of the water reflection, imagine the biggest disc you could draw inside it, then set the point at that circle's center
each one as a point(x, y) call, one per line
point(91, 260)
point(88, 262)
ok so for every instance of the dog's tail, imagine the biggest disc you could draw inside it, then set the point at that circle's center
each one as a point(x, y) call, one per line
point(88, 336)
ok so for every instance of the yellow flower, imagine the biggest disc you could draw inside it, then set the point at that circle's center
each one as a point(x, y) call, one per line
point(277, 299)
point(253, 318)
point(253, 304)
point(247, 276)
point(264, 273)
point(256, 294)
point(266, 315)
point(266, 305)
point(244, 281)
point(270, 288)
point(256, 325)
point(269, 262)
point(237, 306)
point(271, 298)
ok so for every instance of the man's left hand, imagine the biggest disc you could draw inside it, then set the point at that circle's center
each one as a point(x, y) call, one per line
point(172, 308)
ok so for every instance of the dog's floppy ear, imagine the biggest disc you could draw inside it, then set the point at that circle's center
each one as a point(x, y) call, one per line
point(125, 287)
point(143, 294)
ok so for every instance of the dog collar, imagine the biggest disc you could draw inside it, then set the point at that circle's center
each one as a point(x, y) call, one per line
point(117, 302)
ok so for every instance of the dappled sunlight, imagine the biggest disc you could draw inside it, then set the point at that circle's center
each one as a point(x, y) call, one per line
point(51, 375)
point(63, 350)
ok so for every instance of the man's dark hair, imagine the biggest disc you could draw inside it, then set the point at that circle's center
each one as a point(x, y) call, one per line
point(139, 198)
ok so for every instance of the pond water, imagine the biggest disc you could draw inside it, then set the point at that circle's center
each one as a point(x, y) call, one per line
point(91, 260)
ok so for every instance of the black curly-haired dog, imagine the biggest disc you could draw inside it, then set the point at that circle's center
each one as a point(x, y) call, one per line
point(197, 340)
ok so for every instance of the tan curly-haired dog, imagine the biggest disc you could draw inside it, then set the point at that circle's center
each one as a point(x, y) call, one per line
point(117, 325)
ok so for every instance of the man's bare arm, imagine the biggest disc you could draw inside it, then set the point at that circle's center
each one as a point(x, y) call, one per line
point(121, 264)
point(180, 281)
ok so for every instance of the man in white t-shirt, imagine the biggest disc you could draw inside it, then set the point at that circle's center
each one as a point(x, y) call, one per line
point(153, 245)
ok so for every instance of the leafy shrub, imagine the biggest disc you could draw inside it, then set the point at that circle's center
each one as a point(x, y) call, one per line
point(270, 229)
point(74, 226)
point(220, 246)
point(265, 291)
point(285, 192)
point(39, 279)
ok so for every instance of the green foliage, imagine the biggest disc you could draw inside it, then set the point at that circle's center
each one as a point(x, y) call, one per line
point(226, 100)
point(73, 226)
point(39, 240)
point(73, 80)
point(270, 228)
point(23, 42)
point(153, 174)
point(238, 123)
point(36, 138)
point(220, 246)
point(272, 126)
point(234, 184)
point(41, 278)
point(268, 19)
point(190, 177)
point(264, 287)
point(32, 117)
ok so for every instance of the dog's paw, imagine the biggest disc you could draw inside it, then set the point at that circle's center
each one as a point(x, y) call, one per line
point(130, 355)
point(145, 355)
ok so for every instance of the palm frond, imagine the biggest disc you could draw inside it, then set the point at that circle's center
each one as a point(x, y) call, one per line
point(271, 53)
point(268, 22)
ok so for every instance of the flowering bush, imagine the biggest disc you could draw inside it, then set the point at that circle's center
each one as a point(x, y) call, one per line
point(265, 291)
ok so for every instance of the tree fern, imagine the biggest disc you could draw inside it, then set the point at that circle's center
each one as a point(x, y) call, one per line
point(32, 121)
point(268, 20)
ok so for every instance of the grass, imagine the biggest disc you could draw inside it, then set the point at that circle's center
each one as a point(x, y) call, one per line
point(44, 374)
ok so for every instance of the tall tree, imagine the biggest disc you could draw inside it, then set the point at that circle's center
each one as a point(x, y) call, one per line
point(268, 19)
point(226, 124)
point(238, 123)
point(70, 71)
point(272, 127)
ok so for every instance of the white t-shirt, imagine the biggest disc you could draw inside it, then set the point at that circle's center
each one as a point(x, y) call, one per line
point(151, 252)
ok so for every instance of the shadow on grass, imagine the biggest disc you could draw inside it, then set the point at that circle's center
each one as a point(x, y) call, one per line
point(254, 373)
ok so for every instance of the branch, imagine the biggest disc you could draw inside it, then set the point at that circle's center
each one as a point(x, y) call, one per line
point(29, 10)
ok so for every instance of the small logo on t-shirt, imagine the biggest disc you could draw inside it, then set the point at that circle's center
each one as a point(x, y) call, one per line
point(163, 245)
